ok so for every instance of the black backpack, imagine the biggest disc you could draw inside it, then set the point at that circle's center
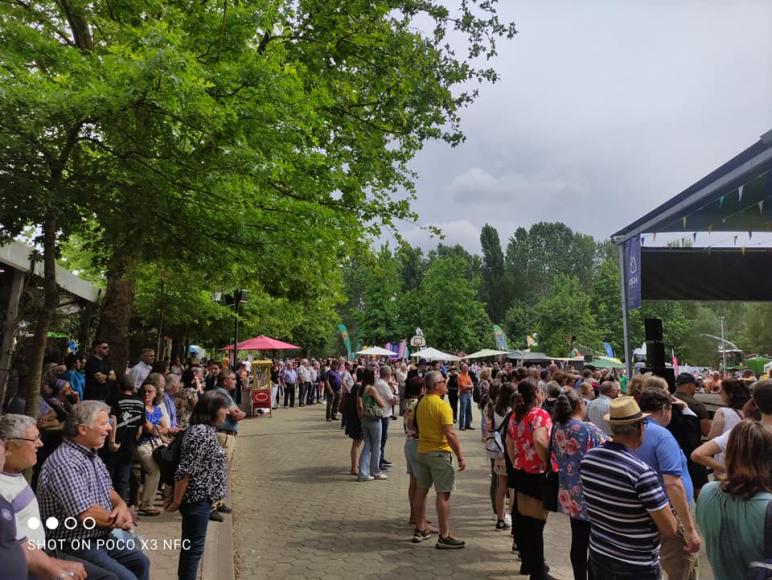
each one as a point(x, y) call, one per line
point(687, 432)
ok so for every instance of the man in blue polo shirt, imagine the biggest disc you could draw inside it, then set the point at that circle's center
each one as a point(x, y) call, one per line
point(628, 510)
point(661, 451)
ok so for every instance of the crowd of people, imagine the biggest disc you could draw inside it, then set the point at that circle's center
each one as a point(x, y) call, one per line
point(625, 460)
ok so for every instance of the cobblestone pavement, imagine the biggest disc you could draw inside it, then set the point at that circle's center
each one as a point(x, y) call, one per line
point(299, 515)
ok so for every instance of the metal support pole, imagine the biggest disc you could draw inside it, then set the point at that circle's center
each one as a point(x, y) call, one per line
point(237, 304)
point(625, 321)
point(723, 346)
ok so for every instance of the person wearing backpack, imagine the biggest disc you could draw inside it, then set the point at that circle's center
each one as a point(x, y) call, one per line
point(200, 479)
point(499, 420)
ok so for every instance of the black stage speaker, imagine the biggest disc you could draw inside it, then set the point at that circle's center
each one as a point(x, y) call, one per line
point(655, 347)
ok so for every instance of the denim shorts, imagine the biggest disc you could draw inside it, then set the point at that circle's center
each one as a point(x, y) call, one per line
point(436, 468)
point(411, 456)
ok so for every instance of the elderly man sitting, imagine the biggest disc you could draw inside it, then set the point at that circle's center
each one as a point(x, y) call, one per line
point(75, 488)
point(22, 441)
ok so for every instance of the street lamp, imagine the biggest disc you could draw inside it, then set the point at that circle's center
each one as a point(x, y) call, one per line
point(239, 295)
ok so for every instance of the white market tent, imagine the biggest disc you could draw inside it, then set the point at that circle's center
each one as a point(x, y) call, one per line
point(376, 351)
point(486, 352)
point(431, 354)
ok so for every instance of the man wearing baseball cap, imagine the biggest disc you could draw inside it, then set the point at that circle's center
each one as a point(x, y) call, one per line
point(628, 509)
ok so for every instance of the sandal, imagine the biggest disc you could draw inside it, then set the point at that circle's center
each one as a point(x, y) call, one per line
point(149, 511)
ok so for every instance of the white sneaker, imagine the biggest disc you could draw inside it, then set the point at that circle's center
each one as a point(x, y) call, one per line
point(368, 478)
point(508, 520)
point(381, 476)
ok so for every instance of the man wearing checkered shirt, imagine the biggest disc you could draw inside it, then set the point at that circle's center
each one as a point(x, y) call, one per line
point(75, 488)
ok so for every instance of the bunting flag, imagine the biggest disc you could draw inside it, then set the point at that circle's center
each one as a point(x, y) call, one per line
point(735, 240)
point(684, 221)
point(654, 237)
point(743, 250)
point(761, 206)
point(710, 229)
point(346, 340)
point(721, 201)
point(750, 234)
point(740, 193)
point(500, 337)
point(694, 237)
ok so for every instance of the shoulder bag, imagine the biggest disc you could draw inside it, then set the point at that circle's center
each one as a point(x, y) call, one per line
point(370, 408)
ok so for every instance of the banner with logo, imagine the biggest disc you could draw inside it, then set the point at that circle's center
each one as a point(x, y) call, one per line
point(632, 277)
point(501, 338)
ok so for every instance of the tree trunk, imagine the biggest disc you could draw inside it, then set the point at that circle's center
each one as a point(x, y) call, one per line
point(33, 380)
point(116, 311)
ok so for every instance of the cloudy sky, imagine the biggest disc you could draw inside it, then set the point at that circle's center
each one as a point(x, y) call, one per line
point(605, 109)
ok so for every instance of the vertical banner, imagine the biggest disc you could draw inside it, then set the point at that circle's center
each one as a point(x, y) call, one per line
point(609, 350)
point(501, 339)
point(632, 265)
point(346, 339)
point(402, 351)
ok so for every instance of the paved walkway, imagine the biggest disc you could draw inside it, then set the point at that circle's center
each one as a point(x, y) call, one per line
point(299, 515)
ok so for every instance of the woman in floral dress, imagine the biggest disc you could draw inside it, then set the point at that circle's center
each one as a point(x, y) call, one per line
point(572, 438)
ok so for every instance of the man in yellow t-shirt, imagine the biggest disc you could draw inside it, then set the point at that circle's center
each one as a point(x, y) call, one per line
point(436, 441)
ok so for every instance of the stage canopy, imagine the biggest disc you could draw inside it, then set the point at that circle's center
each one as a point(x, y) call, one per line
point(736, 197)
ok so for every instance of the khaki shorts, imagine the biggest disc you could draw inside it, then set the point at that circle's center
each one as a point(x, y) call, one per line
point(436, 468)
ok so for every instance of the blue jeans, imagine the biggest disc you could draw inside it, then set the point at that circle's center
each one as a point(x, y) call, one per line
point(370, 458)
point(195, 519)
point(120, 471)
point(465, 412)
point(604, 568)
point(126, 564)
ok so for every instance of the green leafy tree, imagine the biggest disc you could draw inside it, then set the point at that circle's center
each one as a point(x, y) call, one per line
point(519, 323)
point(452, 316)
point(378, 317)
point(493, 289)
point(565, 313)
point(237, 131)
point(535, 257)
point(606, 304)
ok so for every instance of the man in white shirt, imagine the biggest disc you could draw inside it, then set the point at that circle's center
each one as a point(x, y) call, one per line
point(599, 407)
point(304, 378)
point(139, 372)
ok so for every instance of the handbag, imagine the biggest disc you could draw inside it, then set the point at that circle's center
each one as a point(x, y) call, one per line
point(549, 483)
point(168, 458)
point(370, 408)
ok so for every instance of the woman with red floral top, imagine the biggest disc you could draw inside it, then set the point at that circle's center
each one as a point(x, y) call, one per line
point(527, 442)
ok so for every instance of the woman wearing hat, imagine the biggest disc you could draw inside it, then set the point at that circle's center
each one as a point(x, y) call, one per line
point(628, 509)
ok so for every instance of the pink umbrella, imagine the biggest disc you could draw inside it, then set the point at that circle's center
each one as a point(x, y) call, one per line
point(263, 343)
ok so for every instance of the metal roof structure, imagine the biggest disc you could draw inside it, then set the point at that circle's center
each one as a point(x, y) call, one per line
point(736, 197)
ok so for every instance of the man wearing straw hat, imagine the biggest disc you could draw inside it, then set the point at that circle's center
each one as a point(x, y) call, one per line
point(628, 509)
